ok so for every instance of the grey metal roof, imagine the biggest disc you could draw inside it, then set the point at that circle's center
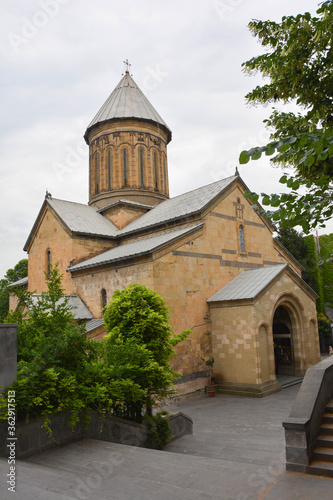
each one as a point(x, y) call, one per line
point(88, 220)
point(80, 311)
point(127, 203)
point(79, 218)
point(84, 219)
point(127, 101)
point(93, 324)
point(181, 206)
point(135, 249)
point(21, 282)
point(248, 284)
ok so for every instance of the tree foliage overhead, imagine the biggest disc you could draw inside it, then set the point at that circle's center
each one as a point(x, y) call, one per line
point(299, 67)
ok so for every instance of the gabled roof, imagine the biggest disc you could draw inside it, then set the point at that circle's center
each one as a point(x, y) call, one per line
point(136, 249)
point(88, 220)
point(79, 310)
point(79, 218)
point(126, 203)
point(191, 203)
point(93, 324)
point(84, 219)
point(21, 282)
point(127, 101)
point(248, 284)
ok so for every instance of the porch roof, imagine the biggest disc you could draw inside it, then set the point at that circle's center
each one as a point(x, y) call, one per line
point(248, 284)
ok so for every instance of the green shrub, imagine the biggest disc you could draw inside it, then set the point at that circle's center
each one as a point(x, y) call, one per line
point(314, 272)
point(160, 430)
point(140, 341)
point(324, 325)
point(61, 370)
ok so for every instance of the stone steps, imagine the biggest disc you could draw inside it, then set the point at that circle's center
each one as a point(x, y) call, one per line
point(325, 441)
point(322, 463)
point(286, 381)
point(318, 468)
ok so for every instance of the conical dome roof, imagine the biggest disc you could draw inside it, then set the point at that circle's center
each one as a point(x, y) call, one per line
point(127, 101)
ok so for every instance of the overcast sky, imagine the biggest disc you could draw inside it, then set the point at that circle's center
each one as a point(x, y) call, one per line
point(62, 58)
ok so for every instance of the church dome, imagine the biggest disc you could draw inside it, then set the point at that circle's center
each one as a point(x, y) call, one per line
point(127, 149)
point(127, 101)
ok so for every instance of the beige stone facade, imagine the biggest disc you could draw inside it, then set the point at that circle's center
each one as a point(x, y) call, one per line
point(187, 249)
point(243, 335)
point(130, 163)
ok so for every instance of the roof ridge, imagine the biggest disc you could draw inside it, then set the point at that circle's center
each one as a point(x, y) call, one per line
point(136, 248)
point(202, 187)
point(180, 206)
point(72, 202)
point(125, 202)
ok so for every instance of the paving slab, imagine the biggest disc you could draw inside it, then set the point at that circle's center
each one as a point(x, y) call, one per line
point(235, 453)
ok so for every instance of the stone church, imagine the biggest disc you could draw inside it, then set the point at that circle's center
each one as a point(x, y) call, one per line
point(206, 252)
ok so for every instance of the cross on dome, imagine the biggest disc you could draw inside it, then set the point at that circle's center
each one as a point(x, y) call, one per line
point(128, 66)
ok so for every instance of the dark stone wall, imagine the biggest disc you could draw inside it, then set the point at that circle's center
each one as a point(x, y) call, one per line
point(302, 426)
point(32, 437)
point(8, 354)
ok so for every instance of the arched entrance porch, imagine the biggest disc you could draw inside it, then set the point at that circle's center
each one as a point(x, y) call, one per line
point(284, 333)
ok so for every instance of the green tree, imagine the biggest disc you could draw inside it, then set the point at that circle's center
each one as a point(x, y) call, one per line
point(140, 341)
point(59, 367)
point(298, 64)
point(297, 245)
point(326, 264)
point(61, 370)
point(294, 242)
point(324, 325)
point(18, 272)
point(314, 272)
point(53, 354)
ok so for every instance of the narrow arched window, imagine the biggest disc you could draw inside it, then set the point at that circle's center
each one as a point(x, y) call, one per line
point(155, 169)
point(109, 169)
point(141, 167)
point(241, 239)
point(97, 174)
point(164, 172)
point(125, 166)
point(48, 262)
point(104, 298)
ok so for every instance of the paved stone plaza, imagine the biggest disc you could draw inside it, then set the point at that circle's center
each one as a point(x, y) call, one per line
point(235, 453)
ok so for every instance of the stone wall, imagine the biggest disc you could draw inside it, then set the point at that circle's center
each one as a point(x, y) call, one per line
point(8, 354)
point(302, 426)
point(107, 142)
point(32, 437)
